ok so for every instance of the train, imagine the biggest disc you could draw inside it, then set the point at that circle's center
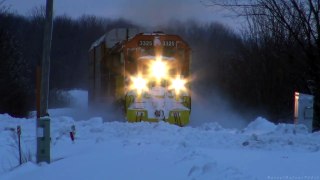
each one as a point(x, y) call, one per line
point(147, 74)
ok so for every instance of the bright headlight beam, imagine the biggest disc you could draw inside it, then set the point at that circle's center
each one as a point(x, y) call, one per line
point(158, 68)
point(139, 83)
point(178, 85)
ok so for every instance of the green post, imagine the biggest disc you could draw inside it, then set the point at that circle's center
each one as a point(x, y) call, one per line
point(43, 139)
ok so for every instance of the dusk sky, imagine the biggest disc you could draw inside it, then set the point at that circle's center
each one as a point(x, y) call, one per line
point(146, 12)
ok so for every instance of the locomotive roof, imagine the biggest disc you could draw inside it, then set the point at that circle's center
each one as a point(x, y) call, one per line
point(119, 44)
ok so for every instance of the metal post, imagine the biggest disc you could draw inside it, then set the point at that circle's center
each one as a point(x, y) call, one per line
point(43, 123)
point(19, 141)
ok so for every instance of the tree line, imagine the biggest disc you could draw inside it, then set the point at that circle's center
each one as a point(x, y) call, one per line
point(256, 69)
point(21, 41)
point(290, 32)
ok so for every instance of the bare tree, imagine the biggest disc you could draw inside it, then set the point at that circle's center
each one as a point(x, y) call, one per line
point(3, 8)
point(295, 22)
point(38, 12)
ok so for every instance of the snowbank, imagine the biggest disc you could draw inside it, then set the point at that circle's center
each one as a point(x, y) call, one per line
point(120, 150)
point(260, 126)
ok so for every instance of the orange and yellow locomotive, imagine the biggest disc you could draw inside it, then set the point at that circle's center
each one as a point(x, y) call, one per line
point(148, 72)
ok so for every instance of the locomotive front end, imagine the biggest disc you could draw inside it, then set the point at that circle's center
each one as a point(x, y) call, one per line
point(159, 89)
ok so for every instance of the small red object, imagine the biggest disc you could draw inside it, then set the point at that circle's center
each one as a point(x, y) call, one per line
point(72, 136)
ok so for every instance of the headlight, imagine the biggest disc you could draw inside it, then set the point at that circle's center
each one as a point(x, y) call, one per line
point(178, 85)
point(158, 68)
point(139, 83)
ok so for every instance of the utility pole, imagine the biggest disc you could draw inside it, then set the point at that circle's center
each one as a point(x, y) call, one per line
point(43, 119)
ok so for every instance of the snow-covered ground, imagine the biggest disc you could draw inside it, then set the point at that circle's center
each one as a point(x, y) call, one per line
point(119, 150)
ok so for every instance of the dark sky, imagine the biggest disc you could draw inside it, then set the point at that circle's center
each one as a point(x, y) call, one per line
point(146, 12)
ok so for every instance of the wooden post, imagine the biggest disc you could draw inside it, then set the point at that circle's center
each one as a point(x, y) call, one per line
point(43, 123)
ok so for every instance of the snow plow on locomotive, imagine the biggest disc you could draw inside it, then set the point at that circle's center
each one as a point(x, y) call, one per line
point(148, 73)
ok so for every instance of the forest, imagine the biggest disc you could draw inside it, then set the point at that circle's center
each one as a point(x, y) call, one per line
point(256, 69)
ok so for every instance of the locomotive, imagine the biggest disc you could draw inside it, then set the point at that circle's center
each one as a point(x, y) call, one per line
point(148, 73)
